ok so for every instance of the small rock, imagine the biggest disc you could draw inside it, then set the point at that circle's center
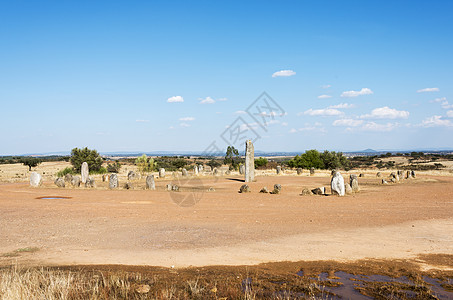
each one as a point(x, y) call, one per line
point(299, 171)
point(60, 182)
point(75, 181)
point(277, 189)
point(312, 171)
point(168, 187)
point(128, 186)
point(90, 183)
point(264, 190)
point(354, 183)
point(68, 178)
point(306, 192)
point(132, 175)
point(211, 189)
point(347, 189)
point(244, 189)
point(378, 174)
point(361, 175)
point(319, 191)
point(279, 170)
point(175, 188)
point(184, 172)
point(384, 181)
point(150, 184)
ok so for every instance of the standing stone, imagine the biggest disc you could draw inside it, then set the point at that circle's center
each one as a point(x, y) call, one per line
point(400, 174)
point(85, 172)
point(244, 189)
point(150, 185)
point(161, 173)
point(68, 178)
point(35, 179)
point(195, 170)
point(264, 190)
point(60, 182)
point(413, 174)
point(279, 170)
point(215, 172)
point(299, 171)
point(241, 169)
point(361, 175)
point(90, 183)
point(200, 168)
point(113, 181)
point(184, 172)
point(319, 191)
point(312, 171)
point(337, 184)
point(354, 182)
point(168, 187)
point(378, 174)
point(384, 181)
point(306, 192)
point(75, 181)
point(347, 189)
point(249, 161)
point(132, 175)
point(394, 176)
point(408, 174)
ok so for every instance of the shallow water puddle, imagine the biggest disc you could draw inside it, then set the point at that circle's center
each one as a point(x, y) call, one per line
point(52, 197)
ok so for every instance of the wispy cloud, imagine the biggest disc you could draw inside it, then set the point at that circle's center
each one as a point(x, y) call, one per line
point(309, 127)
point(325, 86)
point(175, 99)
point(427, 90)
point(142, 121)
point(187, 119)
point(284, 73)
point(184, 125)
point(436, 121)
point(222, 99)
point(207, 100)
point(324, 96)
point(350, 94)
point(240, 112)
point(347, 122)
point(450, 113)
point(372, 126)
point(323, 112)
point(386, 113)
point(342, 105)
point(439, 99)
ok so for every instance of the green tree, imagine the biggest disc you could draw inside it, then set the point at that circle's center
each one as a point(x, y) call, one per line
point(145, 164)
point(334, 160)
point(232, 157)
point(31, 162)
point(260, 162)
point(307, 160)
point(91, 157)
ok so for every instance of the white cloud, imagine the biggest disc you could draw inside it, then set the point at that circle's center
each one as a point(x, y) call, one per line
point(323, 112)
point(248, 126)
point(187, 119)
point(427, 90)
point(284, 73)
point(207, 100)
point(184, 125)
point(293, 130)
point(446, 105)
point(271, 122)
point(342, 105)
point(324, 96)
point(372, 126)
point(222, 99)
point(175, 99)
point(450, 113)
point(436, 121)
point(309, 127)
point(240, 112)
point(142, 121)
point(347, 122)
point(363, 91)
point(439, 99)
point(284, 124)
point(325, 86)
point(386, 113)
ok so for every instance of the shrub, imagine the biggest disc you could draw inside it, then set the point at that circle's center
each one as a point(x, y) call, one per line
point(114, 167)
point(260, 162)
point(145, 164)
point(67, 170)
point(91, 157)
point(30, 162)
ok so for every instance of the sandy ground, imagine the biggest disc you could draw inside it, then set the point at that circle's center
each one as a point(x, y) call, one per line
point(223, 227)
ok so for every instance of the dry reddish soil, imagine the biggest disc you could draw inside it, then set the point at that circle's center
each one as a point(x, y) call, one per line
point(224, 227)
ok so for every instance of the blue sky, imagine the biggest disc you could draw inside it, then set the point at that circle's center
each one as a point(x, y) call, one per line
point(111, 75)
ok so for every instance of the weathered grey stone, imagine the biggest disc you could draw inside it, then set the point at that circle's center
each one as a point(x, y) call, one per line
point(408, 175)
point(347, 189)
point(200, 168)
point(319, 191)
point(354, 183)
point(184, 172)
point(161, 173)
point(264, 190)
point(75, 182)
point(113, 181)
point(393, 180)
point(195, 170)
point(68, 178)
point(299, 171)
point(168, 187)
point(244, 189)
point(337, 184)
point(131, 175)
point(384, 181)
point(175, 188)
point(35, 179)
point(413, 173)
point(312, 171)
point(394, 176)
point(211, 189)
point(241, 169)
point(400, 173)
point(378, 174)
point(215, 172)
point(105, 177)
point(306, 192)
point(227, 172)
point(90, 183)
point(361, 175)
point(128, 186)
point(277, 189)
point(279, 170)
point(150, 184)
point(60, 182)
point(85, 172)
point(249, 161)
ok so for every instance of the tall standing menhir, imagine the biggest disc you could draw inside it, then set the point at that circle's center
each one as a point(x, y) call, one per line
point(249, 161)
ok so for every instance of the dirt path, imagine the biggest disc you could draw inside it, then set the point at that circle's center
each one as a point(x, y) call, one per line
point(138, 227)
